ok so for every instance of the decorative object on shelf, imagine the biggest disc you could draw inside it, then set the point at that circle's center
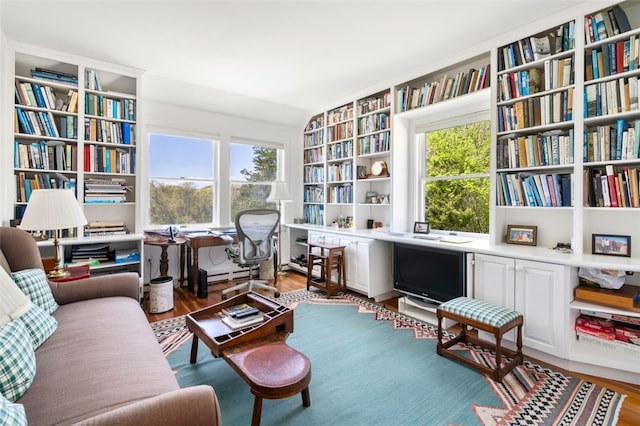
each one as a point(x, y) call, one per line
point(383, 198)
point(611, 245)
point(522, 234)
point(379, 169)
point(362, 172)
point(563, 247)
point(279, 194)
point(53, 209)
point(421, 227)
point(371, 197)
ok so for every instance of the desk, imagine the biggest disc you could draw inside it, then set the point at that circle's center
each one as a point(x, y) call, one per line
point(196, 241)
point(164, 258)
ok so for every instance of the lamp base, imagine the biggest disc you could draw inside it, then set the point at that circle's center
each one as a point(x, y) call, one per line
point(58, 273)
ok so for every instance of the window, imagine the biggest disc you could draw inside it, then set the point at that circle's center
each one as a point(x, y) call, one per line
point(456, 177)
point(181, 180)
point(252, 169)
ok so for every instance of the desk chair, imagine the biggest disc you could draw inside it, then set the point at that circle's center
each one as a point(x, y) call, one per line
point(255, 230)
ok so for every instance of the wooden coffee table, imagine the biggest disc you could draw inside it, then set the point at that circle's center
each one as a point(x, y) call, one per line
point(249, 349)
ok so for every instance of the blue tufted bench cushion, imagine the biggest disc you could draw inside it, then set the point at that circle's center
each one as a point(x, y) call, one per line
point(477, 310)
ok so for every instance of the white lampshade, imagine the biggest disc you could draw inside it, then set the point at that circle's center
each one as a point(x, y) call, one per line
point(52, 209)
point(279, 192)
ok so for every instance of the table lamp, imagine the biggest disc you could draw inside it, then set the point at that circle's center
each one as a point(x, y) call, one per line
point(53, 209)
point(279, 194)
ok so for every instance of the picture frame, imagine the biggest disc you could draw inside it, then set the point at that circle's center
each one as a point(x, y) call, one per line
point(421, 227)
point(522, 234)
point(611, 245)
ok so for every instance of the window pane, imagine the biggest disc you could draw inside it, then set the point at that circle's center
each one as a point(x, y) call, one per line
point(253, 163)
point(458, 205)
point(249, 196)
point(180, 202)
point(457, 170)
point(180, 157)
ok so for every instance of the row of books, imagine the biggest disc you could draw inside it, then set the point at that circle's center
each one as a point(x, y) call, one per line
point(313, 155)
point(555, 73)
point(536, 111)
point(605, 24)
point(543, 149)
point(313, 174)
point(540, 46)
point(374, 123)
point(313, 194)
point(340, 131)
point(313, 214)
point(40, 123)
point(339, 172)
point(316, 123)
point(608, 187)
point(619, 141)
point(105, 191)
point(611, 97)
point(369, 105)
point(340, 194)
point(535, 190)
point(42, 96)
point(378, 142)
point(608, 329)
point(339, 115)
point(45, 155)
point(102, 106)
point(100, 159)
point(92, 80)
point(100, 252)
point(120, 132)
point(339, 150)
point(313, 139)
point(446, 88)
point(612, 58)
point(27, 183)
point(54, 76)
point(98, 228)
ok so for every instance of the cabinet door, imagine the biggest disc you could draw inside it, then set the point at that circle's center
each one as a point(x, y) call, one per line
point(493, 281)
point(539, 297)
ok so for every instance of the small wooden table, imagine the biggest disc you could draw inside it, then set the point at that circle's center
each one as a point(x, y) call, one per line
point(164, 243)
point(250, 350)
point(329, 257)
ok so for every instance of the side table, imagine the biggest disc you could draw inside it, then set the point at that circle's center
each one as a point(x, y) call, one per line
point(329, 257)
point(164, 257)
point(75, 273)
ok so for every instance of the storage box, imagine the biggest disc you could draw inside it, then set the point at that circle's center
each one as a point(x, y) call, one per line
point(626, 297)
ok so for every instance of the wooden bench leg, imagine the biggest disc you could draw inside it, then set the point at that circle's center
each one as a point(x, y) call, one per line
point(257, 411)
point(306, 397)
point(194, 349)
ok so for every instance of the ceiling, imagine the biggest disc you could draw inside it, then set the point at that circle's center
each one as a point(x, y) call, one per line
point(296, 56)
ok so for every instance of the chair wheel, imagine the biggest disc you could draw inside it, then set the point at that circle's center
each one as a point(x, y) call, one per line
point(223, 296)
point(276, 294)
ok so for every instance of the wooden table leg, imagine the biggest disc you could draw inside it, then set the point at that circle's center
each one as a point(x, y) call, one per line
point(194, 349)
point(164, 261)
point(182, 249)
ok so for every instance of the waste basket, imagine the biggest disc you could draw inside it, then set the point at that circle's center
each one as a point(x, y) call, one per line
point(161, 294)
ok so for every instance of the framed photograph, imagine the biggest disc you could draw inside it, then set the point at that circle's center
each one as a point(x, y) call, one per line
point(522, 234)
point(421, 227)
point(611, 245)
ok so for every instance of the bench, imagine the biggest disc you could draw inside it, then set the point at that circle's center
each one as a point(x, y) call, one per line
point(272, 371)
point(484, 316)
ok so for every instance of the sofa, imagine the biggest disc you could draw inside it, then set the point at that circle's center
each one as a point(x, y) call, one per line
point(102, 365)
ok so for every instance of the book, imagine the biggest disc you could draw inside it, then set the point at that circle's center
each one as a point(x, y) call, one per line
point(235, 324)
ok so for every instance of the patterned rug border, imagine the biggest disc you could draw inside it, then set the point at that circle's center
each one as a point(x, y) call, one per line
point(545, 383)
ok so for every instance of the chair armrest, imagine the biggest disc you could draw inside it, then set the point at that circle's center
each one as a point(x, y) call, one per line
point(121, 284)
point(196, 405)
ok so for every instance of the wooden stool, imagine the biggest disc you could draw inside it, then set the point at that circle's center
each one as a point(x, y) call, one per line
point(330, 258)
point(487, 317)
point(273, 371)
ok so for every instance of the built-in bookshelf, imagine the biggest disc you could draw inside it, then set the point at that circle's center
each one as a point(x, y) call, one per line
point(75, 127)
point(314, 173)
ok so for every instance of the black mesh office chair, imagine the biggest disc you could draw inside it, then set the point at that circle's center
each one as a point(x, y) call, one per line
point(255, 230)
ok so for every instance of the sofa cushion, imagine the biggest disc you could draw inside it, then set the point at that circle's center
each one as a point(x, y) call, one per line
point(13, 302)
point(17, 360)
point(103, 355)
point(11, 414)
point(39, 324)
point(33, 282)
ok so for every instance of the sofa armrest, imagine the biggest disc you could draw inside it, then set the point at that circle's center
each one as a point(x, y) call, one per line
point(121, 284)
point(196, 405)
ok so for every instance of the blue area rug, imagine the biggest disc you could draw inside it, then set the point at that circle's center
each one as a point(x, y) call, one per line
point(372, 366)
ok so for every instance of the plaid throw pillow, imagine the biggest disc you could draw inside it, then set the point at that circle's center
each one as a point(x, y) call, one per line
point(33, 282)
point(39, 324)
point(17, 360)
point(11, 414)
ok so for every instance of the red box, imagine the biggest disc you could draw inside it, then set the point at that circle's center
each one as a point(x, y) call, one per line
point(594, 323)
point(627, 334)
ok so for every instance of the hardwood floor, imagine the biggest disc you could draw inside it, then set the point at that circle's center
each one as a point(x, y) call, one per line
point(185, 302)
